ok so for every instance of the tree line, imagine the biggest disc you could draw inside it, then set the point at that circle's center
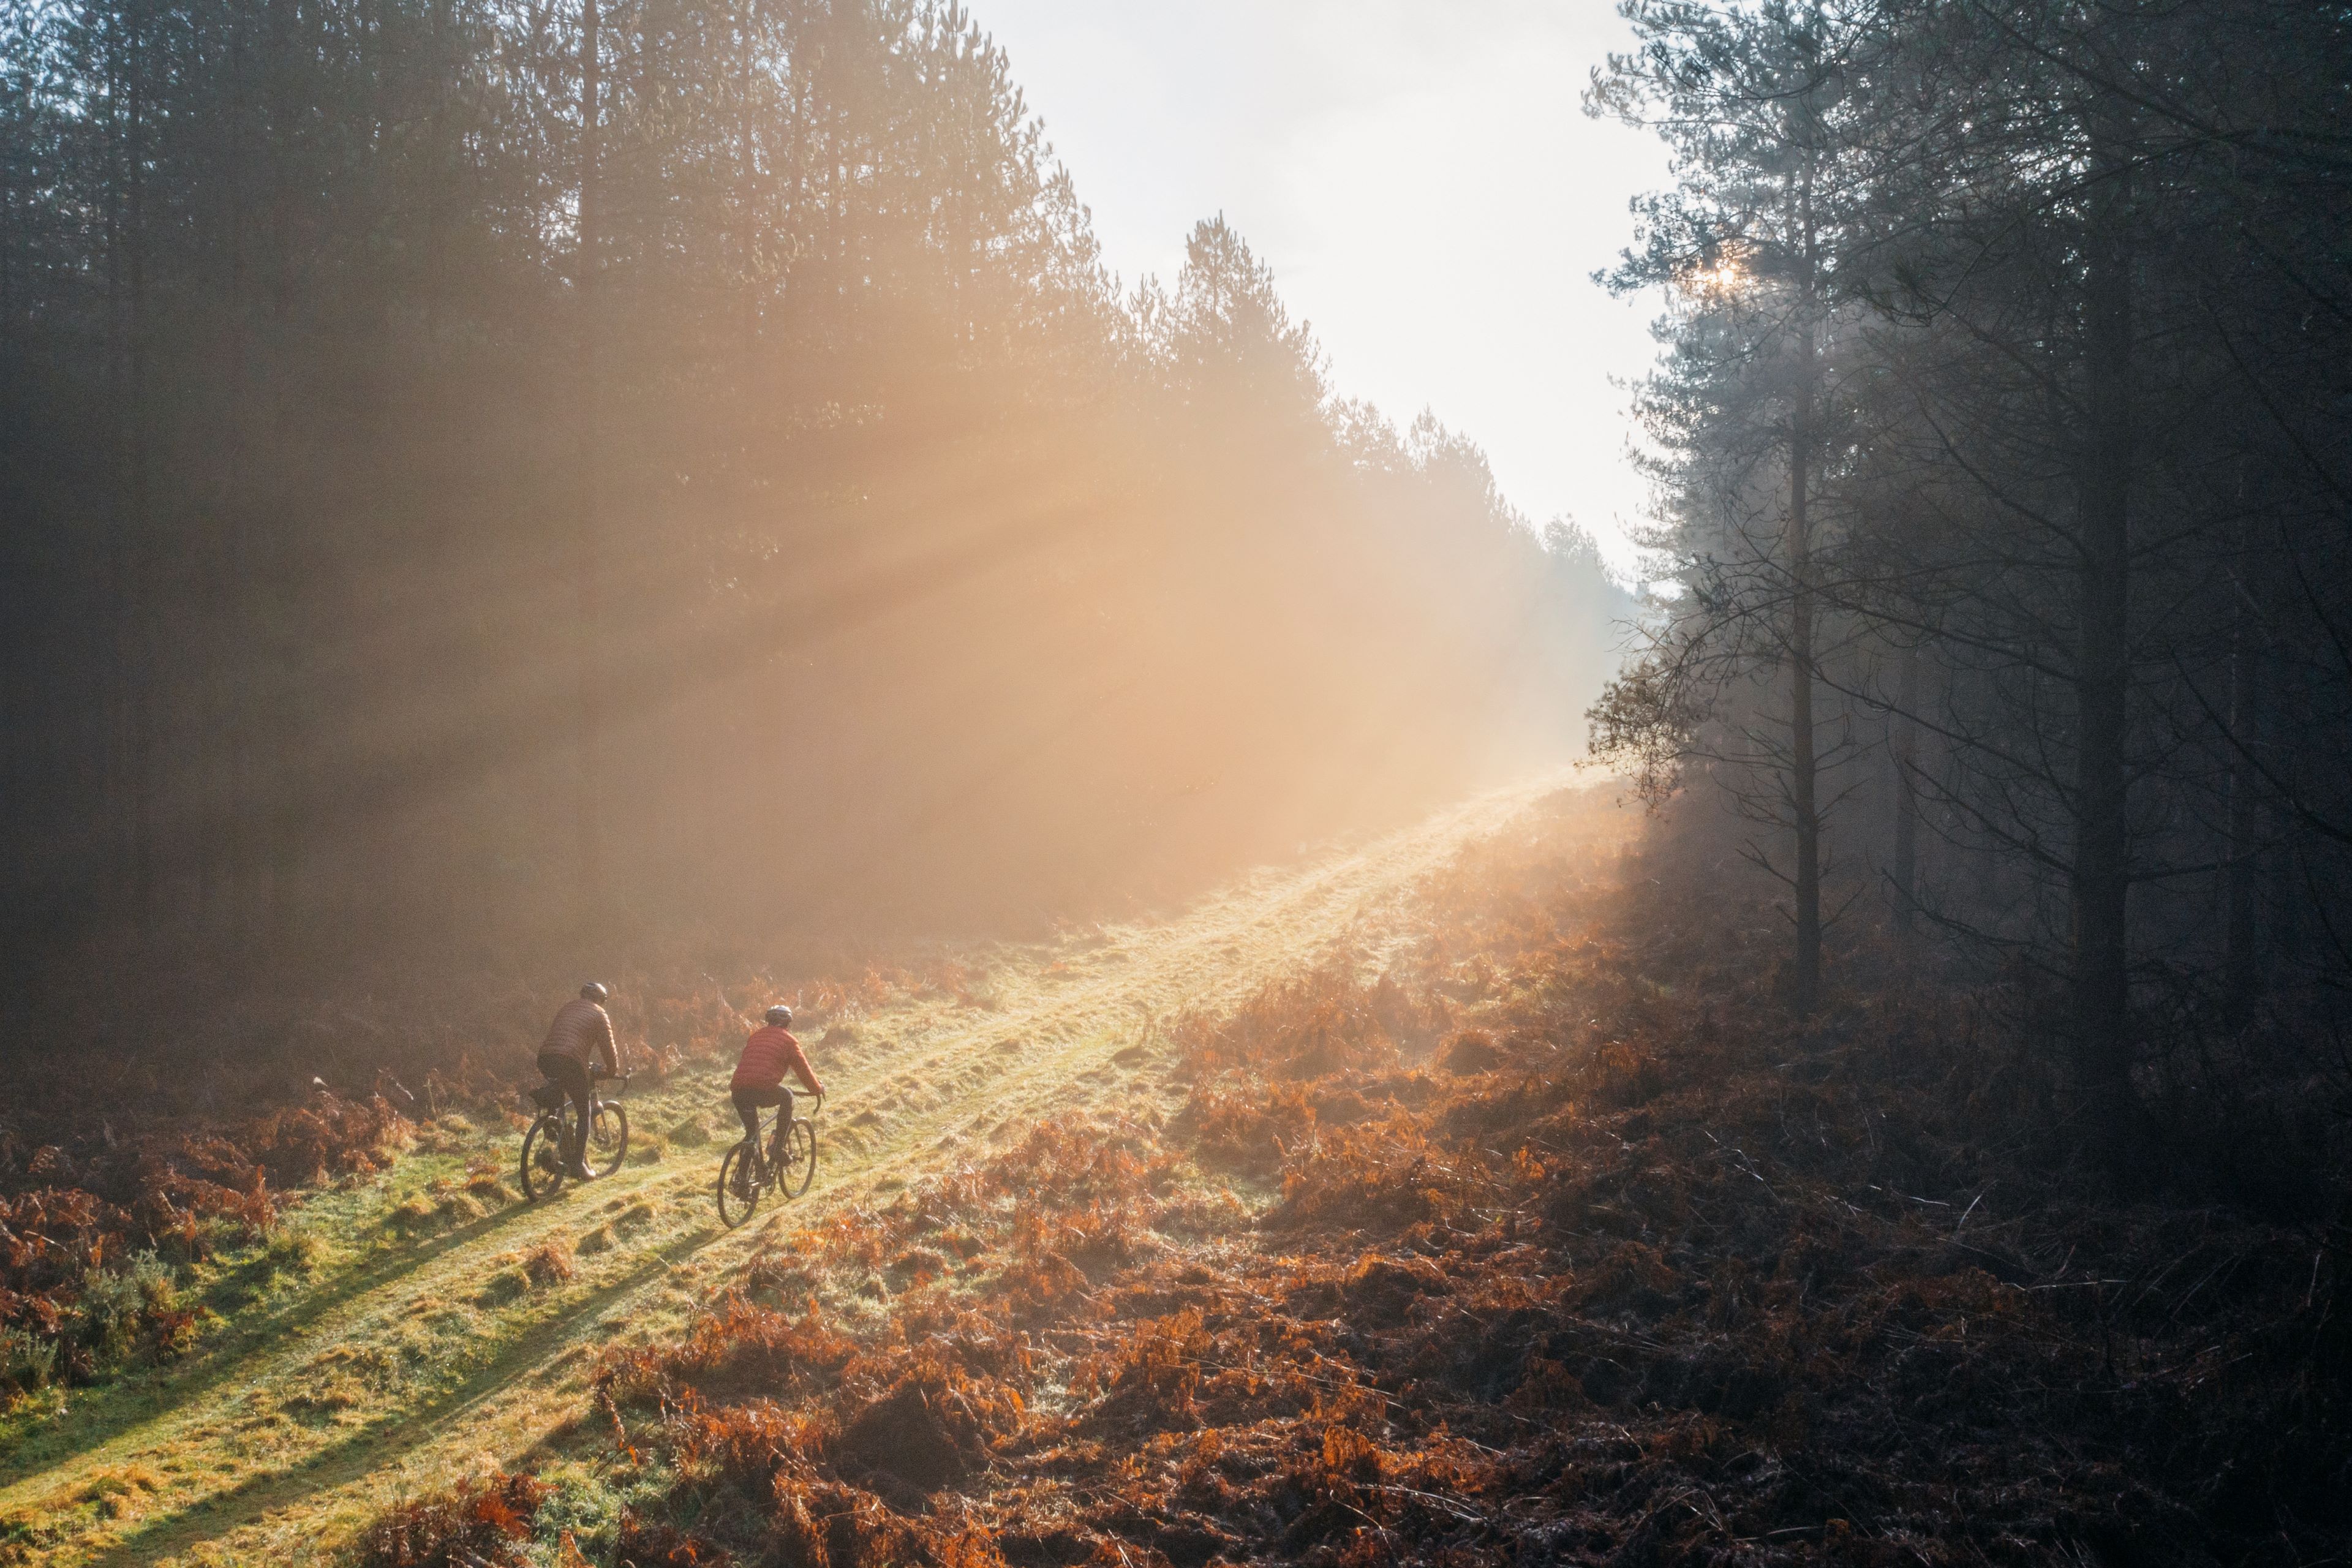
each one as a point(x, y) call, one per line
point(482, 467)
point(2001, 427)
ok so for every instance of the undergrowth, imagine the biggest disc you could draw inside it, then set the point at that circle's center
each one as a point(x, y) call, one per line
point(88, 1247)
point(1553, 1241)
point(108, 1202)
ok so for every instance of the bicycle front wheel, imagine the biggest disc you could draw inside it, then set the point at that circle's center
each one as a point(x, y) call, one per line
point(739, 1186)
point(608, 1139)
point(542, 1158)
point(797, 1169)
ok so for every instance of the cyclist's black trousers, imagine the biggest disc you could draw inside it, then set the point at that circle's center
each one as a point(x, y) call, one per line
point(750, 1102)
point(570, 1075)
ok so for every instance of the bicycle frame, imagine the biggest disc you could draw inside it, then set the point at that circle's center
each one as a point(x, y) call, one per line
point(566, 1118)
point(771, 1146)
point(762, 1158)
point(560, 1135)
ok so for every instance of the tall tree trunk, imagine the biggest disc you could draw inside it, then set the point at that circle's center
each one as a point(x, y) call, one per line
point(1805, 979)
point(242, 844)
point(433, 201)
point(2288, 727)
point(106, 569)
point(133, 613)
point(286, 602)
point(2102, 678)
point(589, 542)
point(2241, 969)
point(1906, 795)
point(2241, 960)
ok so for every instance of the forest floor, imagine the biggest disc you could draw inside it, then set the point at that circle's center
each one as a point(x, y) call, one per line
point(1466, 1199)
point(419, 1325)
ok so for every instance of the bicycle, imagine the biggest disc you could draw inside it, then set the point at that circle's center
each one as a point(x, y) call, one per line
point(544, 1169)
point(789, 1164)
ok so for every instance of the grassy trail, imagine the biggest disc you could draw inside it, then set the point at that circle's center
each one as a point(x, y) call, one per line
point(415, 1362)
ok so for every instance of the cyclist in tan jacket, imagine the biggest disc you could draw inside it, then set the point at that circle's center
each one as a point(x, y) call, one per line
point(579, 1044)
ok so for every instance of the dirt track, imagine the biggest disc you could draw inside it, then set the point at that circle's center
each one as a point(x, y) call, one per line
point(415, 1367)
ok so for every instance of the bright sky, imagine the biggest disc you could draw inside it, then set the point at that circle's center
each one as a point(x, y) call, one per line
point(1421, 177)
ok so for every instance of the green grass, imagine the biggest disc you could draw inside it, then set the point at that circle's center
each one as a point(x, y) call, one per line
point(397, 1332)
point(340, 1357)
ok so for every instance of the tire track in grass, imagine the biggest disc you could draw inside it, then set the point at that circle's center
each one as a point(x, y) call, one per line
point(101, 1416)
point(238, 1480)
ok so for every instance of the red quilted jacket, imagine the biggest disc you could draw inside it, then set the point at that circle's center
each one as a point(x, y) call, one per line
point(766, 1056)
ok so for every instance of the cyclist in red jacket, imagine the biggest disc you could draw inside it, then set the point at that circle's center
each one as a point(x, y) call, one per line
point(758, 1079)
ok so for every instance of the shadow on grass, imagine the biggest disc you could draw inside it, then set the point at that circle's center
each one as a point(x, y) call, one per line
point(386, 1442)
point(98, 1416)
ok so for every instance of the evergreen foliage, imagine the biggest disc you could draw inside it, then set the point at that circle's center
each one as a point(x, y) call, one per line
point(2000, 430)
point(480, 469)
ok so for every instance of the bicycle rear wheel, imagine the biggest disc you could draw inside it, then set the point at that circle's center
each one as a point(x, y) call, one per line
point(737, 1200)
point(608, 1138)
point(542, 1158)
point(797, 1168)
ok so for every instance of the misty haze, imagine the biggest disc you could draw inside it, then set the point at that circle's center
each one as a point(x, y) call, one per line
point(869, 784)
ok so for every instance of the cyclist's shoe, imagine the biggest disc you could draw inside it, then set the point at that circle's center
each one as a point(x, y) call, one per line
point(741, 1185)
point(579, 1171)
